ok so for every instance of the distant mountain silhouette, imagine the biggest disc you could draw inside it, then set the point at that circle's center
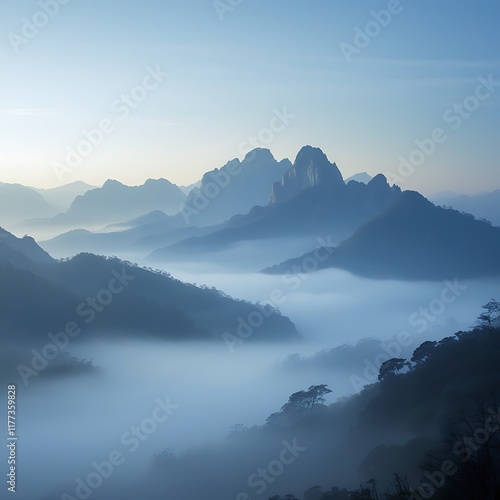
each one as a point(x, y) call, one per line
point(118, 237)
point(362, 177)
point(61, 197)
point(115, 202)
point(483, 206)
point(415, 240)
point(235, 188)
point(39, 294)
point(142, 234)
point(187, 189)
point(155, 217)
point(311, 200)
point(18, 203)
point(238, 187)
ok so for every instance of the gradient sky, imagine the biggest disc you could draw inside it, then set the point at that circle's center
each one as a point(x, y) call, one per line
point(226, 78)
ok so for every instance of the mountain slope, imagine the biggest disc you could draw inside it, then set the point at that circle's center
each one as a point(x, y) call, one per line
point(18, 203)
point(436, 407)
point(116, 202)
point(416, 240)
point(483, 206)
point(362, 177)
point(234, 189)
point(61, 197)
point(22, 253)
point(310, 169)
point(111, 296)
point(311, 201)
point(113, 203)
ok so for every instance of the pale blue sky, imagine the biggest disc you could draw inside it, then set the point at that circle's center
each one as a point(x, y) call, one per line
point(227, 77)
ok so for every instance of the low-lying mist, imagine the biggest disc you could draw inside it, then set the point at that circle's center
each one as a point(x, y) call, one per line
point(217, 387)
point(213, 388)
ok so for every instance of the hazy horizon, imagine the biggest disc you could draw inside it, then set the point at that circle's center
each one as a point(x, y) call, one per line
point(363, 108)
point(432, 191)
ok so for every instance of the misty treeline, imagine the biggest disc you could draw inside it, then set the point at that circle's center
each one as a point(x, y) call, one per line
point(148, 302)
point(428, 428)
point(446, 395)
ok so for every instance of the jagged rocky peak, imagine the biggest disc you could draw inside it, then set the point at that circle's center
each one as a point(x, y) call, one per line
point(311, 168)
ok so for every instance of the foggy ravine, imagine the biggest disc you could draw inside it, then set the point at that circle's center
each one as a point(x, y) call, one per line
point(214, 387)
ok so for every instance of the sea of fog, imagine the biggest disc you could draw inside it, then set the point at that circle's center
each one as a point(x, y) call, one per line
point(67, 424)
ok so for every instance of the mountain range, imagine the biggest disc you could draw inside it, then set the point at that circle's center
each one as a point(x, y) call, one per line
point(238, 187)
point(374, 229)
point(19, 202)
point(62, 197)
point(311, 200)
point(235, 188)
point(115, 202)
point(39, 295)
point(361, 177)
point(483, 206)
point(413, 240)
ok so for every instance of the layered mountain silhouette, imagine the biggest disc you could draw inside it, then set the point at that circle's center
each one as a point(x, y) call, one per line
point(415, 240)
point(18, 203)
point(382, 232)
point(221, 194)
point(187, 189)
point(137, 235)
point(39, 295)
point(261, 197)
point(361, 177)
point(235, 188)
point(311, 200)
point(483, 206)
point(115, 202)
point(61, 197)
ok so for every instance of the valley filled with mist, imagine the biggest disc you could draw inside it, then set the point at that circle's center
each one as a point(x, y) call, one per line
point(157, 352)
point(250, 250)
